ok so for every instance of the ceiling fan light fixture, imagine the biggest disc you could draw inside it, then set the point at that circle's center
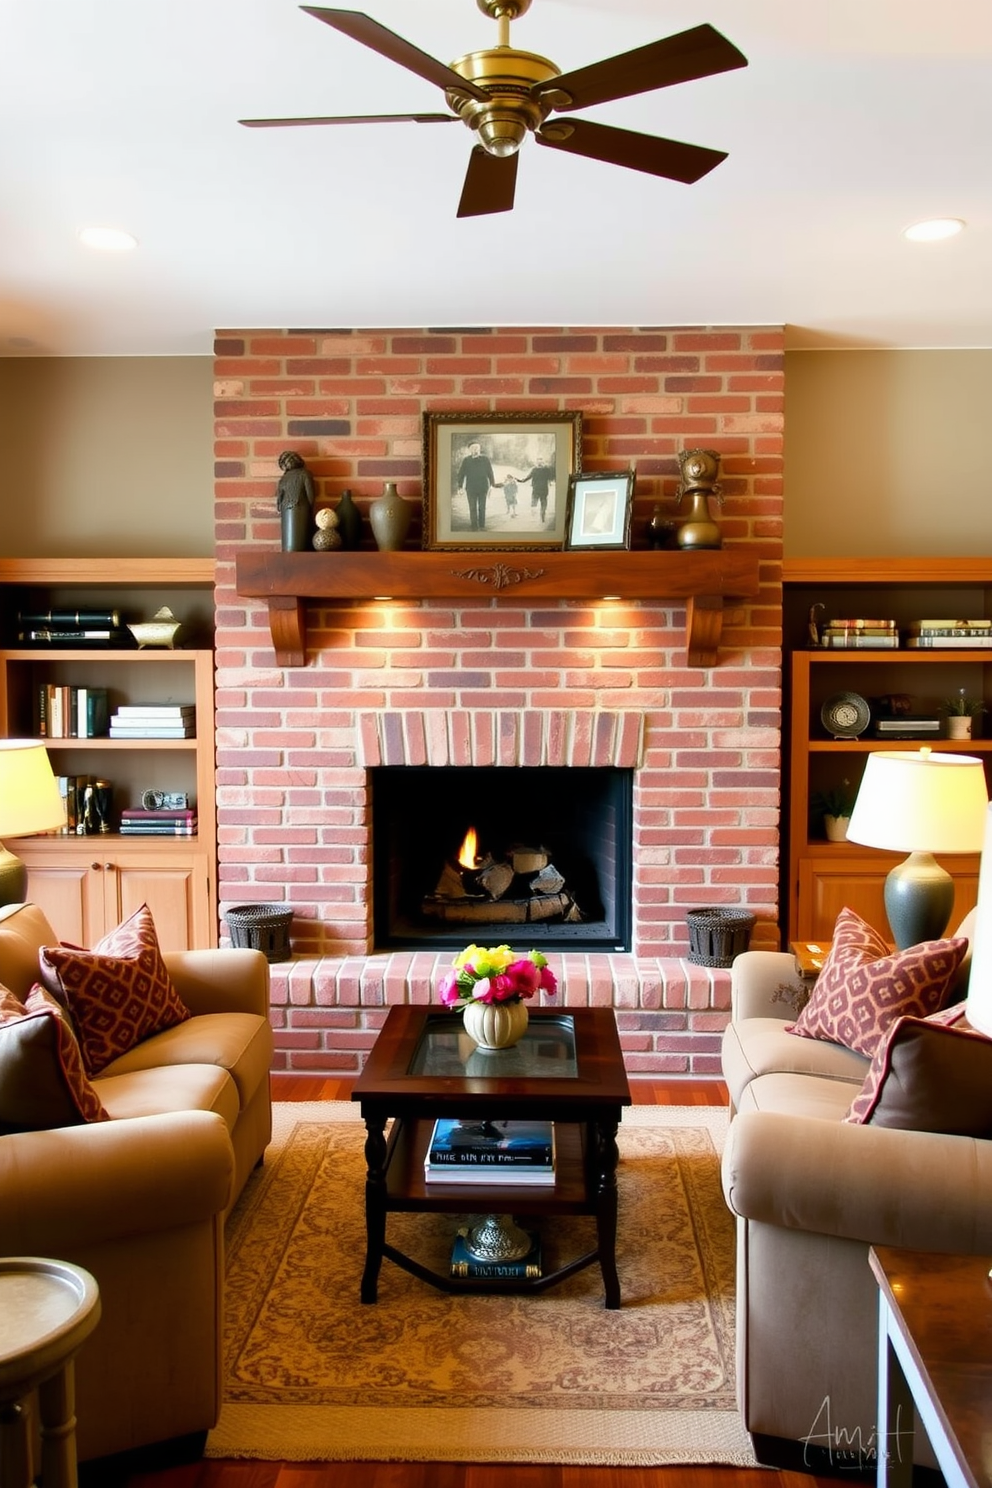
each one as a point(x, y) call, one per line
point(934, 230)
point(501, 134)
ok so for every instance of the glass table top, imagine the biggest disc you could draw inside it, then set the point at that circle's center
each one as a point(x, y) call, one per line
point(546, 1051)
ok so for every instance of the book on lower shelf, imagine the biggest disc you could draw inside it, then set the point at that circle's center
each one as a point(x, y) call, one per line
point(464, 1143)
point(471, 1267)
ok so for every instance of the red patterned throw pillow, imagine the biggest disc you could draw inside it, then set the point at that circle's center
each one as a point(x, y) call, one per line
point(929, 1074)
point(117, 994)
point(864, 987)
point(42, 1082)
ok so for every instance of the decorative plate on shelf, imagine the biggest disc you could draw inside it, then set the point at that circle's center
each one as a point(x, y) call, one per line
point(846, 715)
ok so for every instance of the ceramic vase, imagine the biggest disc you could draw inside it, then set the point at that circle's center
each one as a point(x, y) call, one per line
point(836, 827)
point(495, 1025)
point(349, 521)
point(390, 516)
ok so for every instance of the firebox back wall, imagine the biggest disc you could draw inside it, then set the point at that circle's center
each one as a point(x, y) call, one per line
point(490, 675)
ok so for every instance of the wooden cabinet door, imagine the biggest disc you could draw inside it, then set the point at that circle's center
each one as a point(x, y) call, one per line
point(175, 894)
point(85, 891)
point(70, 895)
point(825, 887)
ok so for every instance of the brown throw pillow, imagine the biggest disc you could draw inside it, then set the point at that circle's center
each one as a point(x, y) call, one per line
point(864, 987)
point(117, 994)
point(42, 1083)
point(929, 1074)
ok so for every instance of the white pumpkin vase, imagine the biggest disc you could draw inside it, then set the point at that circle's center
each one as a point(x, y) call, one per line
point(495, 1025)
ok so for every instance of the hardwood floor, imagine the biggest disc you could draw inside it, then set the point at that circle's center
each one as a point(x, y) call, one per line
point(221, 1474)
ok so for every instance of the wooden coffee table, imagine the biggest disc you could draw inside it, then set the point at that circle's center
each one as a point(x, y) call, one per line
point(567, 1068)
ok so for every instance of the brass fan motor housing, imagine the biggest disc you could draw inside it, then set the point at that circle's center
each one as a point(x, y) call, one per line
point(497, 9)
point(510, 110)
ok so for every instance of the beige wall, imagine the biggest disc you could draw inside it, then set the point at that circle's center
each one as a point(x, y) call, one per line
point(885, 455)
point(106, 457)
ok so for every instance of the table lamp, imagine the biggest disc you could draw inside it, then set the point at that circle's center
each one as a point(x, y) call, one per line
point(980, 976)
point(29, 802)
point(920, 803)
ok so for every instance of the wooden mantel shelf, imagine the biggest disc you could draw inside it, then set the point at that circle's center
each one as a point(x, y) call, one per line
point(700, 579)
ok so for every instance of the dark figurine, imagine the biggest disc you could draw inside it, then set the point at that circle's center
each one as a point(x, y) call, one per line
point(294, 502)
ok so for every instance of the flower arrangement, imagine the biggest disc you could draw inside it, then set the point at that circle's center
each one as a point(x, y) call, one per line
point(495, 974)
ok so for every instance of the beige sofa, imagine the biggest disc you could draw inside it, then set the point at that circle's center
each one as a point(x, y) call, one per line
point(140, 1200)
point(811, 1193)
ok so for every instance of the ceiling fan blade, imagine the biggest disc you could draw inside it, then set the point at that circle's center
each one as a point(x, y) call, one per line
point(642, 152)
point(364, 29)
point(700, 52)
point(355, 119)
point(490, 184)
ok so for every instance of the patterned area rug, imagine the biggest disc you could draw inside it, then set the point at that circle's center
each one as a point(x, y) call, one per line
point(312, 1375)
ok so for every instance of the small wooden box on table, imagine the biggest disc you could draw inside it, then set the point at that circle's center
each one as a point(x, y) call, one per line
point(567, 1068)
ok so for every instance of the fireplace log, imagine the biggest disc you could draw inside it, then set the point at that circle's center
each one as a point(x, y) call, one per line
point(502, 911)
point(495, 878)
point(548, 881)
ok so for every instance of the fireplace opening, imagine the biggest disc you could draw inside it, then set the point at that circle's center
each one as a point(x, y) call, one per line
point(546, 856)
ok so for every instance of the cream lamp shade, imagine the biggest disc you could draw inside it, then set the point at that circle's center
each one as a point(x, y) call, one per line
point(29, 802)
point(920, 803)
point(980, 977)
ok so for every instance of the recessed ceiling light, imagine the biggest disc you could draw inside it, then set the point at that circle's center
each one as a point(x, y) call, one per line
point(109, 239)
point(933, 230)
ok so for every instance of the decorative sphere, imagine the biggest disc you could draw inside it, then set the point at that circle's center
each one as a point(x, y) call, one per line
point(325, 539)
point(326, 518)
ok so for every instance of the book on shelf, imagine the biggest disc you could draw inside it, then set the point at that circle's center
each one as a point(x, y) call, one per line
point(67, 712)
point(160, 814)
point(975, 640)
point(470, 1267)
point(158, 829)
point(859, 640)
point(466, 1143)
point(164, 711)
point(151, 730)
point(916, 626)
point(74, 636)
point(862, 625)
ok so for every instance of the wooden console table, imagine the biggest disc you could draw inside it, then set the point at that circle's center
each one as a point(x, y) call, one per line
point(702, 580)
point(934, 1352)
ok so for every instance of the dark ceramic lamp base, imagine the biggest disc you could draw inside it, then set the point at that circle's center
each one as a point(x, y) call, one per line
point(919, 897)
point(13, 879)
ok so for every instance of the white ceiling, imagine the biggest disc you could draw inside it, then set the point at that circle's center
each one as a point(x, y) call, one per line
point(853, 119)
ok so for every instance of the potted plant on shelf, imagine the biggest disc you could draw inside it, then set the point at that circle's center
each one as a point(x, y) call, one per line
point(961, 711)
point(835, 807)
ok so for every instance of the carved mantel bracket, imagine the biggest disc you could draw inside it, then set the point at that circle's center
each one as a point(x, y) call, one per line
point(701, 580)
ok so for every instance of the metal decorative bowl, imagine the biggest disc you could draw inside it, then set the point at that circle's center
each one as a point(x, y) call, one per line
point(161, 630)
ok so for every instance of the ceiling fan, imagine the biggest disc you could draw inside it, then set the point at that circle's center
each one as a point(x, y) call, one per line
point(503, 94)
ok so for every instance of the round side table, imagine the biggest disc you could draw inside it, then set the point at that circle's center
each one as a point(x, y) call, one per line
point(47, 1310)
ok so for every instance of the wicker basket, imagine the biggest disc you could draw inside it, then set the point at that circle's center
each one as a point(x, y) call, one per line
point(716, 936)
point(261, 927)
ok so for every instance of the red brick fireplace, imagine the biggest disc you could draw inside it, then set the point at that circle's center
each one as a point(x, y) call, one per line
point(496, 681)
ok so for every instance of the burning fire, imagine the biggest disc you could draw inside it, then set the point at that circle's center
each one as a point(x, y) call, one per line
point(467, 851)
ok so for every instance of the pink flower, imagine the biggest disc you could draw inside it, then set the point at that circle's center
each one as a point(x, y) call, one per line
point(549, 982)
point(485, 989)
point(520, 979)
point(447, 989)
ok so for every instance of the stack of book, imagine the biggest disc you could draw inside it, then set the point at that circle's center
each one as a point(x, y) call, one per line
point(854, 635)
point(65, 712)
point(935, 634)
point(137, 821)
point(71, 628)
point(489, 1152)
point(154, 721)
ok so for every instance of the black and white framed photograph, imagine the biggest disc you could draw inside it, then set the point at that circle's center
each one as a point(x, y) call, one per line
point(498, 481)
point(599, 510)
